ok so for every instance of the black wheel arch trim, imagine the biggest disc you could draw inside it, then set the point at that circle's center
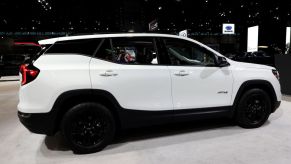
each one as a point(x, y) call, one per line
point(262, 84)
point(70, 98)
point(84, 92)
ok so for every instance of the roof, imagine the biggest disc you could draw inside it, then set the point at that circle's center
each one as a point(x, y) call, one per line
point(53, 40)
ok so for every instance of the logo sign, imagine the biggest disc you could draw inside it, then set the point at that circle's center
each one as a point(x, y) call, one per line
point(228, 28)
point(253, 38)
point(183, 33)
point(153, 25)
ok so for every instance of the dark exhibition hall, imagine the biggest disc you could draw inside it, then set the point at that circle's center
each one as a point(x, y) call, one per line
point(145, 81)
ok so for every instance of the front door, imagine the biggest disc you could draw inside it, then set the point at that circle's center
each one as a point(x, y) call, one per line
point(196, 80)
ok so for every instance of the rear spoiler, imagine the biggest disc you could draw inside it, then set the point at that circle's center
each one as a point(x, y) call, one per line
point(47, 41)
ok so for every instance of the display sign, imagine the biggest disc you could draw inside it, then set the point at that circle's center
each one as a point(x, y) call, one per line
point(228, 28)
point(153, 25)
point(288, 40)
point(183, 33)
point(253, 38)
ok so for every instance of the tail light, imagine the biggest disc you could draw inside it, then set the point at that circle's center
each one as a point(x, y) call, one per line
point(28, 73)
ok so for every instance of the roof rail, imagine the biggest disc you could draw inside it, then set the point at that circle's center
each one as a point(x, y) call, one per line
point(96, 33)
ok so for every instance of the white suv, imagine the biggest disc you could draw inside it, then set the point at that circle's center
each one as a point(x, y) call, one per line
point(90, 86)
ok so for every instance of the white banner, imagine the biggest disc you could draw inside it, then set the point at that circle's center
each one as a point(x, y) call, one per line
point(288, 40)
point(253, 38)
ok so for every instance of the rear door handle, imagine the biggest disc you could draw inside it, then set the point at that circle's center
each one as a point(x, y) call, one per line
point(108, 73)
point(182, 73)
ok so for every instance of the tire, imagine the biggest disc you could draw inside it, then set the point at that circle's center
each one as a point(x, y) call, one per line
point(253, 109)
point(88, 127)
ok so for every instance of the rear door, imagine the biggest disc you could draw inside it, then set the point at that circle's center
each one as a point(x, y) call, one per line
point(129, 68)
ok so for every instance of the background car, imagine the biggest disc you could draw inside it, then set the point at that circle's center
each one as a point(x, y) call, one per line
point(13, 56)
point(259, 57)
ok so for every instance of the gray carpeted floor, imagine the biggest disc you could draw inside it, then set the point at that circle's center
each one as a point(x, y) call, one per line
point(215, 141)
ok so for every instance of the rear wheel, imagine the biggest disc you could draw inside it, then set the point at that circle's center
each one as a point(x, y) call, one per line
point(253, 109)
point(88, 127)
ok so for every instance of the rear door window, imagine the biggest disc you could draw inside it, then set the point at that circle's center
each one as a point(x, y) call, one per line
point(129, 50)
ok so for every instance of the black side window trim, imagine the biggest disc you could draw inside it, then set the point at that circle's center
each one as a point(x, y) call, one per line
point(40, 53)
point(98, 47)
point(156, 50)
point(162, 50)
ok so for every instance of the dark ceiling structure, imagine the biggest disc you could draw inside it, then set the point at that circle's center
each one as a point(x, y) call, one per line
point(124, 15)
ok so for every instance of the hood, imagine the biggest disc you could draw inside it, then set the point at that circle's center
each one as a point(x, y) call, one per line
point(251, 65)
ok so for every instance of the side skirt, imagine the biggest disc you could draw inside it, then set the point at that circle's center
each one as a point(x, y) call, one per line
point(137, 118)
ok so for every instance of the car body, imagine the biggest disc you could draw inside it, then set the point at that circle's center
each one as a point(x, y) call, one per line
point(137, 80)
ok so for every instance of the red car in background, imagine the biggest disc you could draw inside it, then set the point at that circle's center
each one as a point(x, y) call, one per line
point(11, 57)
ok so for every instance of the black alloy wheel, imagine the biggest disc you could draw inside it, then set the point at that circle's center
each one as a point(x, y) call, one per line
point(253, 109)
point(88, 127)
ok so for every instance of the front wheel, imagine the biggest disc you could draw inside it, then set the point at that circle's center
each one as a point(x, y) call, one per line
point(88, 127)
point(253, 109)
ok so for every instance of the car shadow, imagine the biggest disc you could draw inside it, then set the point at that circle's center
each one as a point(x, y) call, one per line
point(56, 142)
point(198, 129)
point(9, 80)
point(171, 129)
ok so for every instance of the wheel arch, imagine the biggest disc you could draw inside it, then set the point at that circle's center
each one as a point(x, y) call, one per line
point(261, 84)
point(71, 98)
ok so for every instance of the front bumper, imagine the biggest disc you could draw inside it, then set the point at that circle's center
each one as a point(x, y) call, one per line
point(41, 123)
point(276, 106)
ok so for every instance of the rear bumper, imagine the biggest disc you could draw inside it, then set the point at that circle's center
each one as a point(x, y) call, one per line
point(41, 123)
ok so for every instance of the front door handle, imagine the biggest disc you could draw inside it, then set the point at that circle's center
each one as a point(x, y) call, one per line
point(108, 73)
point(182, 73)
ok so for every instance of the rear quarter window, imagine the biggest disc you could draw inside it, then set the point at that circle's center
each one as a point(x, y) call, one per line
point(43, 49)
point(83, 47)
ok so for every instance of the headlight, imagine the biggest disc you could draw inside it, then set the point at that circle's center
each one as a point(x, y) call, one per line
point(276, 73)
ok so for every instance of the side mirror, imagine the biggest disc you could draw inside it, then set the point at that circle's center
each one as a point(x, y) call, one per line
point(222, 62)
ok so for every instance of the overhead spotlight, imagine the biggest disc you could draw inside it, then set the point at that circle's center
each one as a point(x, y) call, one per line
point(46, 6)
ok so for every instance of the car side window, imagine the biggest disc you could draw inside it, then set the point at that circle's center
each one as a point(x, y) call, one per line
point(135, 50)
point(182, 52)
point(82, 46)
point(128, 50)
